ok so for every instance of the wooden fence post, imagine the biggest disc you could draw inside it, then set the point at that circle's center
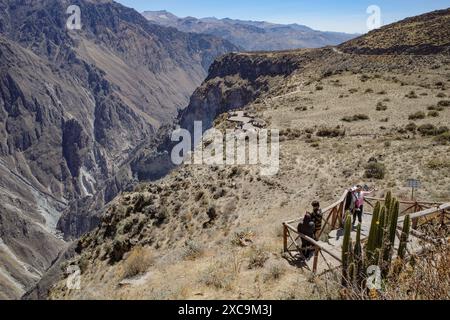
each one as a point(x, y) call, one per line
point(285, 238)
point(316, 259)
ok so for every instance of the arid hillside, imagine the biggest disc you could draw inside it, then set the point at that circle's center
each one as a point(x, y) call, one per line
point(208, 232)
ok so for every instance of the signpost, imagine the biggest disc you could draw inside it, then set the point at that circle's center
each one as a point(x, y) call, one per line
point(414, 184)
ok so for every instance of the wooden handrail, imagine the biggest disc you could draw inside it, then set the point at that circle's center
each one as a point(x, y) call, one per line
point(407, 201)
point(427, 212)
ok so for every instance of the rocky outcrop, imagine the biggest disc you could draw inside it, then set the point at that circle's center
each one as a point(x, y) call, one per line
point(235, 80)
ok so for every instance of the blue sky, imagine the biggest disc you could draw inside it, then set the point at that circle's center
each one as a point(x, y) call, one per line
point(338, 15)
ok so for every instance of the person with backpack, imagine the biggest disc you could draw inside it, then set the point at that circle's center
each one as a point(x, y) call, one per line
point(307, 227)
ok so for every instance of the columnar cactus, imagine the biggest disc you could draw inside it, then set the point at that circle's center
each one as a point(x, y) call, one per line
point(373, 234)
point(358, 257)
point(379, 248)
point(346, 249)
point(390, 232)
point(404, 237)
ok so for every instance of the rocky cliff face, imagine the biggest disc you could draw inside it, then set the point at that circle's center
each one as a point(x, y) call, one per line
point(75, 107)
point(235, 80)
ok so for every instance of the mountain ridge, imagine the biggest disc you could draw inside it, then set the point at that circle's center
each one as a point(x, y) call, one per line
point(252, 35)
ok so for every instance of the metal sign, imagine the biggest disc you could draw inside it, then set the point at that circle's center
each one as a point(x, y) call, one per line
point(413, 183)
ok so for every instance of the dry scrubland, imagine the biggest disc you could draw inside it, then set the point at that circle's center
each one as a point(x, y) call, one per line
point(215, 232)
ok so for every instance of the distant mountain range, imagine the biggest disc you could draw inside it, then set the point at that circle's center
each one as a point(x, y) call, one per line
point(252, 35)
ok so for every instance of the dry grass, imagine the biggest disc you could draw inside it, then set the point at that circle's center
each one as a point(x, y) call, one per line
point(137, 263)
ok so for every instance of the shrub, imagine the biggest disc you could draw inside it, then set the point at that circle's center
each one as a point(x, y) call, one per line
point(441, 95)
point(435, 108)
point(438, 163)
point(219, 275)
point(411, 127)
point(431, 130)
point(417, 116)
point(301, 108)
point(411, 95)
point(433, 114)
point(443, 138)
point(356, 117)
point(381, 107)
point(275, 271)
point(137, 262)
point(375, 170)
point(444, 103)
point(319, 88)
point(193, 250)
point(330, 132)
point(258, 258)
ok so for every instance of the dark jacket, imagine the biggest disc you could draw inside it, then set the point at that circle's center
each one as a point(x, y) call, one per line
point(307, 227)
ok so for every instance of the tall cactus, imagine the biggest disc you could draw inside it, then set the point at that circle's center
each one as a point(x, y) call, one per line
point(346, 246)
point(358, 257)
point(373, 235)
point(380, 234)
point(387, 202)
point(404, 237)
point(389, 241)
